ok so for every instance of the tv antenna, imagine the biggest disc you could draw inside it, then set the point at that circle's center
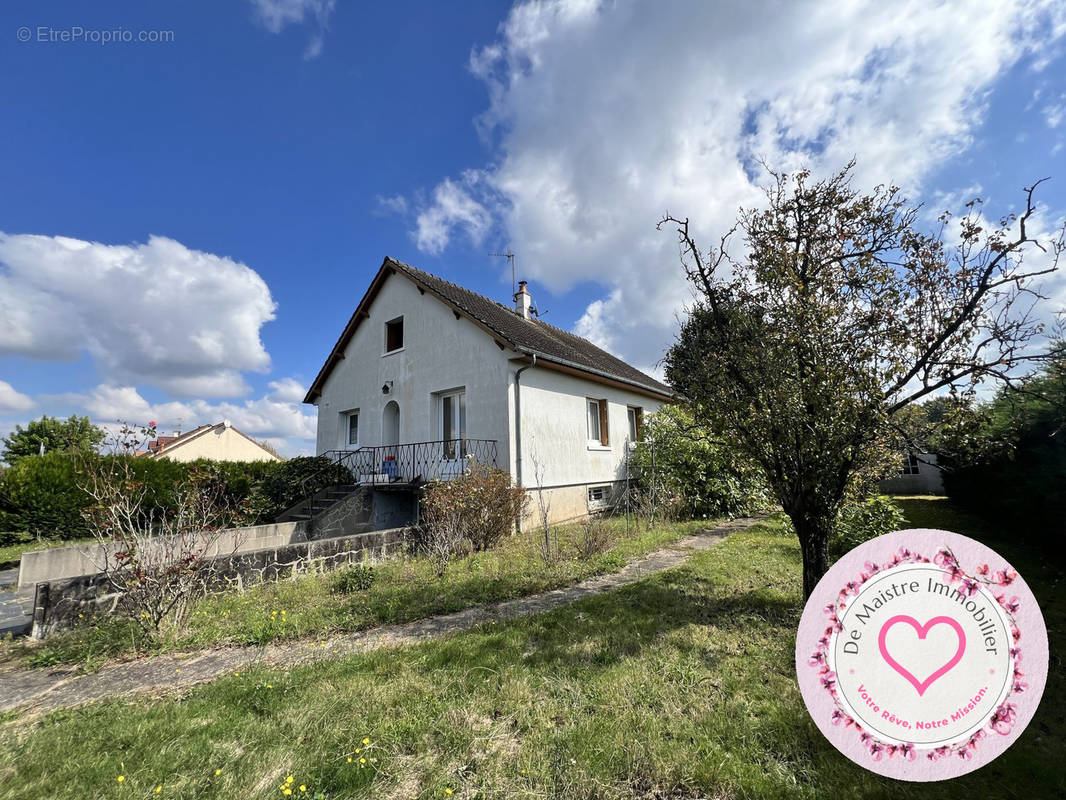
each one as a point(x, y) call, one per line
point(510, 259)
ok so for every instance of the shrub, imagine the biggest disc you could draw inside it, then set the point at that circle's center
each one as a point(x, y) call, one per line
point(356, 578)
point(593, 538)
point(481, 506)
point(42, 496)
point(683, 471)
point(285, 484)
point(158, 549)
point(859, 522)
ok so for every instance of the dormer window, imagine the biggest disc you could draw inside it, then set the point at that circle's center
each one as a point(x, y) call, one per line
point(394, 335)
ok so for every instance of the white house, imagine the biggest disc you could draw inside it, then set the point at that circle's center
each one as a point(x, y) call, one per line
point(427, 374)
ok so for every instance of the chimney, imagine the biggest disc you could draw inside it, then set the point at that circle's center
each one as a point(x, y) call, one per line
point(177, 434)
point(522, 300)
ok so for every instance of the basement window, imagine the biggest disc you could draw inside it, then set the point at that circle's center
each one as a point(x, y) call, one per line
point(394, 335)
point(598, 496)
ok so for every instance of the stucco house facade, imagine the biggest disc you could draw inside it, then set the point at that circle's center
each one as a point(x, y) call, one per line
point(427, 375)
point(219, 442)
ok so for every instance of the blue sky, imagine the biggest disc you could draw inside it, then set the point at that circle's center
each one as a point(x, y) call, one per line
point(185, 225)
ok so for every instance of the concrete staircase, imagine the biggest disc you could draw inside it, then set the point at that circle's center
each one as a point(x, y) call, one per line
point(323, 500)
point(341, 510)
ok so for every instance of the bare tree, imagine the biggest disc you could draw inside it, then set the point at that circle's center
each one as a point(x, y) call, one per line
point(543, 502)
point(840, 314)
point(156, 553)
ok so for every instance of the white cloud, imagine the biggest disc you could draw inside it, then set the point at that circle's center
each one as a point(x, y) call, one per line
point(453, 206)
point(288, 390)
point(158, 312)
point(397, 204)
point(12, 400)
point(276, 15)
point(602, 116)
point(1055, 113)
point(278, 415)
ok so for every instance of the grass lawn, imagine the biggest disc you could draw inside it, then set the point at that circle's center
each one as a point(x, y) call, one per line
point(11, 554)
point(312, 605)
point(679, 686)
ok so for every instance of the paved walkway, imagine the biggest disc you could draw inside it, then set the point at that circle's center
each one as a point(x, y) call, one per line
point(41, 690)
point(16, 608)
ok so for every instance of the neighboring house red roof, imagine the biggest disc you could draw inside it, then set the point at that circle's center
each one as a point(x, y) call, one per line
point(530, 337)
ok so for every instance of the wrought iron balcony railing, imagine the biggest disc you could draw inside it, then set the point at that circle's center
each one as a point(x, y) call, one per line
point(417, 462)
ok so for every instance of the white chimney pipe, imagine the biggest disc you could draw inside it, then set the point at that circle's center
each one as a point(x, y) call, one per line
point(522, 300)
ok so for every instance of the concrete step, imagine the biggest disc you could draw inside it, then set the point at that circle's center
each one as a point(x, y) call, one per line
point(20, 626)
point(16, 612)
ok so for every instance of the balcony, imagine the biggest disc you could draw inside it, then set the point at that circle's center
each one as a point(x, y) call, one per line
point(416, 463)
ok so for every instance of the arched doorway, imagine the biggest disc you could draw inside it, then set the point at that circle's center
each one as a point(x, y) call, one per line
point(390, 424)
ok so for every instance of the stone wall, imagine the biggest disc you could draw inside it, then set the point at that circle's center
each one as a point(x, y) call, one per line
point(58, 602)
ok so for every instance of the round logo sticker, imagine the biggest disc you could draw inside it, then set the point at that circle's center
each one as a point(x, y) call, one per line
point(921, 655)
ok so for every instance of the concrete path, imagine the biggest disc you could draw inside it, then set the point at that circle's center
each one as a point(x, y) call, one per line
point(41, 690)
point(16, 608)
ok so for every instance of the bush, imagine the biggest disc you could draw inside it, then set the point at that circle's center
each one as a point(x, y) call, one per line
point(357, 578)
point(594, 537)
point(44, 495)
point(480, 506)
point(286, 483)
point(680, 468)
point(862, 521)
point(41, 495)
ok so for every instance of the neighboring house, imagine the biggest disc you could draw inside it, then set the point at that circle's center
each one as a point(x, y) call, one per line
point(919, 474)
point(427, 375)
point(221, 442)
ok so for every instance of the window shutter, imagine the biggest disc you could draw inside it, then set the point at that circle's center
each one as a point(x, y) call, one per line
point(640, 423)
point(603, 422)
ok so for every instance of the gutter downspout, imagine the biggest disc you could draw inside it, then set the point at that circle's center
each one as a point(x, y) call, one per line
point(518, 418)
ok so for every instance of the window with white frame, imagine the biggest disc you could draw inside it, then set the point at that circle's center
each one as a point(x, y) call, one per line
point(911, 464)
point(635, 415)
point(453, 423)
point(598, 496)
point(597, 421)
point(351, 424)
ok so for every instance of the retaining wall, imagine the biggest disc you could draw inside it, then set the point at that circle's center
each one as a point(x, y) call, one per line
point(57, 602)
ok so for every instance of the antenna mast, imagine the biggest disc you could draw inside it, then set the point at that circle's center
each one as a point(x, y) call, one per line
point(510, 259)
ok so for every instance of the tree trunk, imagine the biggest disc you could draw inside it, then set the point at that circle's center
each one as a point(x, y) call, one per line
point(813, 533)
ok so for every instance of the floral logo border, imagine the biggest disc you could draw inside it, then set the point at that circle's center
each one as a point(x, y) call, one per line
point(1002, 719)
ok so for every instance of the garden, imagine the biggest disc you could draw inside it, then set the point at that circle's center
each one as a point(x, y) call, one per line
point(680, 685)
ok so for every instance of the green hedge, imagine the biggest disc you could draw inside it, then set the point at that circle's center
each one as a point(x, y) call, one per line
point(43, 495)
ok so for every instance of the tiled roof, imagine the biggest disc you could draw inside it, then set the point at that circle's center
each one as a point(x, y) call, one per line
point(533, 334)
point(530, 336)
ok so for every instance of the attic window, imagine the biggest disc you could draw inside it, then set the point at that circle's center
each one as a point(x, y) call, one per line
point(394, 335)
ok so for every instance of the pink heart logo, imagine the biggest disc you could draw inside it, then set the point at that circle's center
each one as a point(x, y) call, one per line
point(921, 630)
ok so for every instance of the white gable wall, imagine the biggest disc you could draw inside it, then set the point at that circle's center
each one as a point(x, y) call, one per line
point(440, 353)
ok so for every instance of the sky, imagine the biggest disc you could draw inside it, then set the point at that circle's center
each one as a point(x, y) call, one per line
point(194, 196)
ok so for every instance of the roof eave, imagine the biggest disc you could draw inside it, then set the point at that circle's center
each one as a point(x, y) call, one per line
point(607, 376)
